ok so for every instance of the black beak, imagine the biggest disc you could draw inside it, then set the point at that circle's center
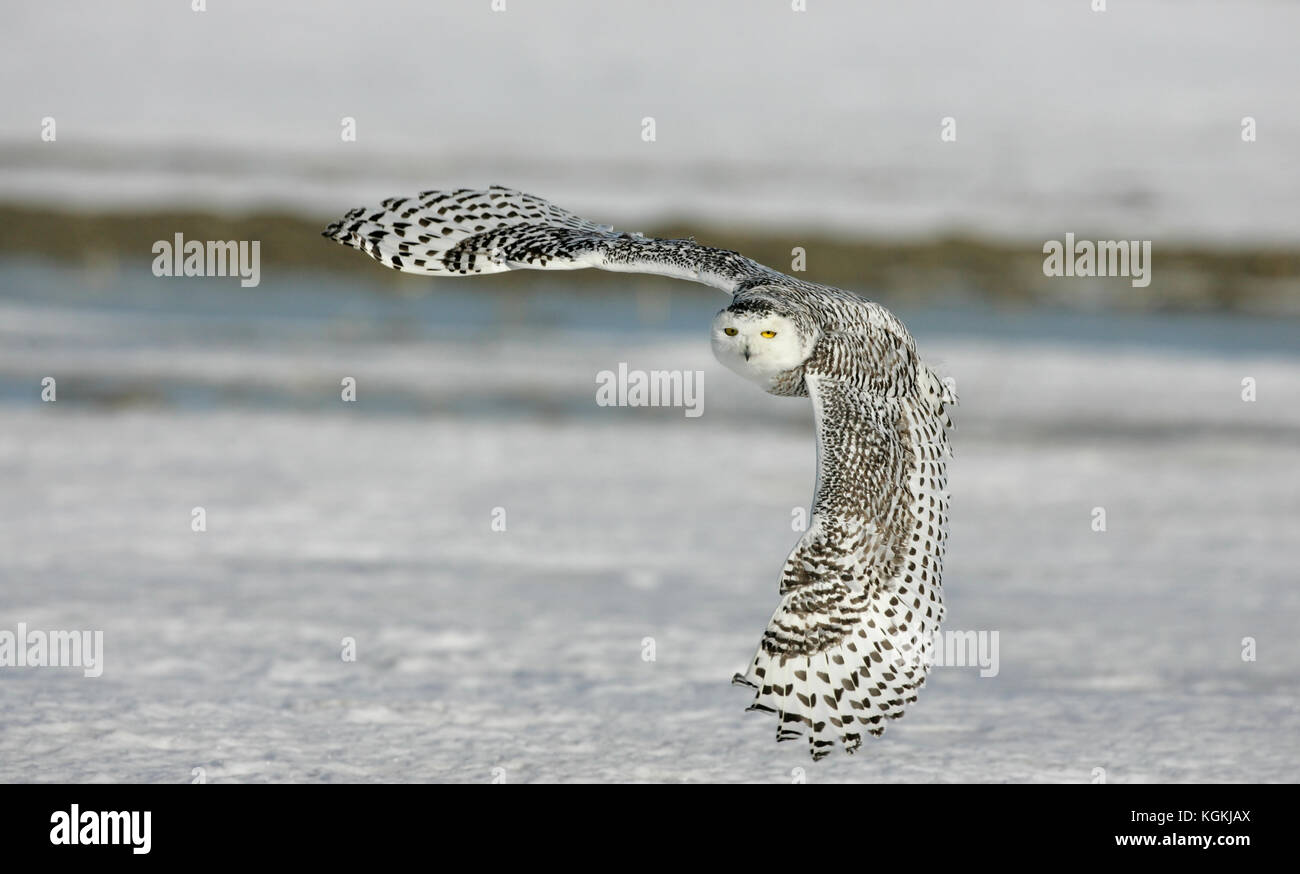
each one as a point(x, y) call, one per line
point(746, 353)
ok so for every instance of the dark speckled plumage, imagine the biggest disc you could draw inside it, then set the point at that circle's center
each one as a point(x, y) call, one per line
point(861, 596)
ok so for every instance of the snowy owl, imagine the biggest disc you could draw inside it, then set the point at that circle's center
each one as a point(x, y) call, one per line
point(861, 599)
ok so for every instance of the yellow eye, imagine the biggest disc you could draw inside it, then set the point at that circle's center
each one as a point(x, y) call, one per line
point(769, 334)
point(730, 332)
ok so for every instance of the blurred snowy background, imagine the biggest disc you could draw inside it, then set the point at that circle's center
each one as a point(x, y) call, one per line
point(522, 649)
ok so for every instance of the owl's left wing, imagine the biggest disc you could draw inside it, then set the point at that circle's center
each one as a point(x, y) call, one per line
point(465, 232)
point(851, 641)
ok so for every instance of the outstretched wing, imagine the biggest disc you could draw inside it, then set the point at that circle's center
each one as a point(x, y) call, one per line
point(851, 641)
point(466, 232)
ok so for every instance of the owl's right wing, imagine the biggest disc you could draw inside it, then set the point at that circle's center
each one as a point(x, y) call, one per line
point(466, 232)
point(861, 598)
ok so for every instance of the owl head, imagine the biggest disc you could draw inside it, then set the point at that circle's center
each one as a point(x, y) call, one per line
point(756, 340)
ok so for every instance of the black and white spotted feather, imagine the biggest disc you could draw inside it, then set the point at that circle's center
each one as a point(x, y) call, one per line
point(861, 596)
point(466, 232)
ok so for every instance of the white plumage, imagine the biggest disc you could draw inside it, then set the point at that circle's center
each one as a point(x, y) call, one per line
point(861, 597)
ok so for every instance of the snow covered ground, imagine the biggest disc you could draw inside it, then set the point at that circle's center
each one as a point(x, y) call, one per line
point(1123, 124)
point(522, 649)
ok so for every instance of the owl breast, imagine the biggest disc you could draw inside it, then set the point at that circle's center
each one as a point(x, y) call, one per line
point(787, 384)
